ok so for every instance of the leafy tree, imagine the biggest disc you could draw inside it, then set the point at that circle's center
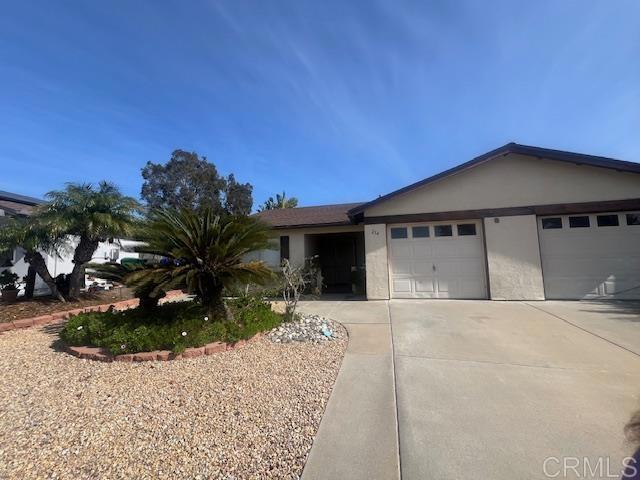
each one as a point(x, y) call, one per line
point(238, 200)
point(281, 201)
point(34, 239)
point(92, 215)
point(203, 252)
point(188, 181)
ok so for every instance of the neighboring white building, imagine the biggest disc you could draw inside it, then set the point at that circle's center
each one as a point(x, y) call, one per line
point(517, 223)
point(12, 205)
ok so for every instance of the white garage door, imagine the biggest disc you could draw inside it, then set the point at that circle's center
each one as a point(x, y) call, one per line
point(437, 260)
point(591, 255)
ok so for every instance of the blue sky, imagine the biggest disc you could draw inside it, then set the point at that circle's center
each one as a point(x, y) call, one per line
point(332, 101)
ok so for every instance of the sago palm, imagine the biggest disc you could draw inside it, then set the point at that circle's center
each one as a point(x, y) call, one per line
point(91, 214)
point(146, 291)
point(203, 252)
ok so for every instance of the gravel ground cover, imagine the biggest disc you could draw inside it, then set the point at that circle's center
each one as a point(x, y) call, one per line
point(242, 414)
point(47, 305)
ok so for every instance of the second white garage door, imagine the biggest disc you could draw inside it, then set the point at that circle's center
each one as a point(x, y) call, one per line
point(591, 255)
point(437, 260)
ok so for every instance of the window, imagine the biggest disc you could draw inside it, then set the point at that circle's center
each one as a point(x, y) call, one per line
point(399, 232)
point(633, 218)
point(466, 229)
point(420, 232)
point(284, 248)
point(443, 230)
point(552, 222)
point(579, 222)
point(608, 220)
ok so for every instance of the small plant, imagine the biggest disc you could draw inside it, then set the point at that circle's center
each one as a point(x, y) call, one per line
point(297, 280)
point(294, 284)
point(313, 275)
point(8, 281)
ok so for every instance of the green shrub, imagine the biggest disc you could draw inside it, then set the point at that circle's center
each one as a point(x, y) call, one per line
point(133, 331)
point(272, 288)
point(254, 314)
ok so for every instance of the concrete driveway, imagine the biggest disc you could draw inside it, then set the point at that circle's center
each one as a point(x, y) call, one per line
point(495, 388)
point(478, 389)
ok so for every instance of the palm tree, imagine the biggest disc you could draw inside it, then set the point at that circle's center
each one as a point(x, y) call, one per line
point(34, 239)
point(281, 201)
point(203, 252)
point(92, 215)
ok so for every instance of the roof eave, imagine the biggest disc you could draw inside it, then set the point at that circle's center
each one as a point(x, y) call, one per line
point(22, 199)
point(312, 225)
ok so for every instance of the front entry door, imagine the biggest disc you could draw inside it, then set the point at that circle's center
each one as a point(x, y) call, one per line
point(337, 256)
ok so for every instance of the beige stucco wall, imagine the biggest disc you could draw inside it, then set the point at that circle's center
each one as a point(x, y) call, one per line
point(375, 245)
point(513, 181)
point(513, 258)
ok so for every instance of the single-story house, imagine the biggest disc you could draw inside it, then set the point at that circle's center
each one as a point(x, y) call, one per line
point(517, 223)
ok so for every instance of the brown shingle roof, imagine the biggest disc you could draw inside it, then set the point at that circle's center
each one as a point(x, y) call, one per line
point(15, 208)
point(321, 215)
point(15, 204)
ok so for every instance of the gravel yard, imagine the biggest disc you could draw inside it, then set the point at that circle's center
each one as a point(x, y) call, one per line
point(242, 414)
point(47, 305)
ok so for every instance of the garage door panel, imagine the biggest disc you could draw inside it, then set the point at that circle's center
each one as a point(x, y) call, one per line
point(468, 288)
point(614, 286)
point(437, 267)
point(421, 251)
point(422, 268)
point(564, 248)
point(591, 262)
point(461, 267)
point(459, 288)
point(425, 285)
point(573, 287)
point(402, 267)
point(443, 287)
point(447, 267)
point(603, 266)
point(402, 285)
point(474, 269)
point(448, 248)
point(399, 250)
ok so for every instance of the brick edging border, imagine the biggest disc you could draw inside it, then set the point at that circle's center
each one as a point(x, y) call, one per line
point(60, 317)
point(103, 355)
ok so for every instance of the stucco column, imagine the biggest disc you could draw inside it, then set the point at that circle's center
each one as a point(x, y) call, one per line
point(513, 257)
point(297, 252)
point(375, 246)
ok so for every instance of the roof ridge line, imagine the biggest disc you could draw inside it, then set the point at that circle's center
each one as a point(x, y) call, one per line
point(516, 148)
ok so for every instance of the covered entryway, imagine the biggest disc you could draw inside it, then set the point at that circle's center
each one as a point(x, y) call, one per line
point(590, 256)
point(341, 260)
point(437, 260)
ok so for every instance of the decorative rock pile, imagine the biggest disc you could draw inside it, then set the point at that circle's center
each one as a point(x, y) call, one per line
point(309, 328)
